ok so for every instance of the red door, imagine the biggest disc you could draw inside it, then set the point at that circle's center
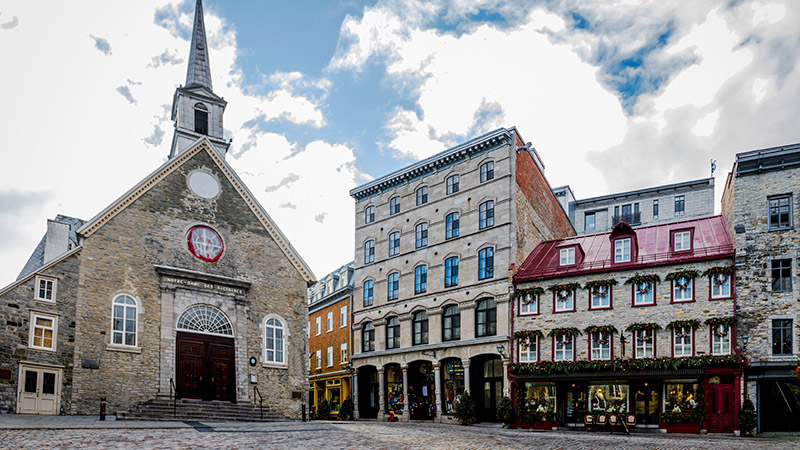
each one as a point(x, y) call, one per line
point(720, 408)
point(205, 367)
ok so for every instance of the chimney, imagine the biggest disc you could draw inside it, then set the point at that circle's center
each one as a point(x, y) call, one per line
point(56, 241)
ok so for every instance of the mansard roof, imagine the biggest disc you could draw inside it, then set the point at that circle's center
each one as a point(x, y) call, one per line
point(711, 239)
point(768, 159)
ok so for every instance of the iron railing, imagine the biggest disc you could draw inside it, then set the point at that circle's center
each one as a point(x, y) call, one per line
point(173, 395)
point(630, 219)
point(260, 400)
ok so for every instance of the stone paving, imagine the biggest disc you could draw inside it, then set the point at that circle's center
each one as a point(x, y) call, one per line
point(86, 433)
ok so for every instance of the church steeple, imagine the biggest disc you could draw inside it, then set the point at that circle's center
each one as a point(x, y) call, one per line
point(196, 109)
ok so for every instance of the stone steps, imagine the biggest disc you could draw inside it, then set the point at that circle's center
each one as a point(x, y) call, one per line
point(161, 408)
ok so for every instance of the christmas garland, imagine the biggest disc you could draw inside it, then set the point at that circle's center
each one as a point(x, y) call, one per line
point(639, 279)
point(724, 321)
point(526, 337)
point(624, 365)
point(643, 326)
point(696, 416)
point(571, 332)
point(689, 274)
point(608, 329)
point(690, 323)
point(595, 286)
point(727, 271)
point(534, 292)
point(566, 287)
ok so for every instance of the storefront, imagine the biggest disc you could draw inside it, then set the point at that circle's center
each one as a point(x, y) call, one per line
point(421, 390)
point(452, 384)
point(487, 386)
point(330, 388)
point(368, 392)
point(778, 393)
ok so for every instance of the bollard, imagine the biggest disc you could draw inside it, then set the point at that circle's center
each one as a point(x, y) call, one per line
point(303, 406)
point(102, 408)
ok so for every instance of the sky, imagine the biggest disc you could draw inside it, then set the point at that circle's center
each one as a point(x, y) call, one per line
point(324, 96)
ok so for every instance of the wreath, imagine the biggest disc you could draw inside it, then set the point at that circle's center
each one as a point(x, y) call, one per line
point(529, 294)
point(682, 278)
point(527, 337)
point(719, 279)
point(720, 325)
point(643, 283)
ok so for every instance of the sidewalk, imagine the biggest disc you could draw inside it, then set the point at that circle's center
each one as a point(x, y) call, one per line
point(29, 422)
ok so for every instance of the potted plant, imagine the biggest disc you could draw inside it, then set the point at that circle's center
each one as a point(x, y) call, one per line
point(545, 420)
point(683, 421)
point(505, 412)
point(347, 409)
point(747, 418)
point(523, 418)
point(464, 410)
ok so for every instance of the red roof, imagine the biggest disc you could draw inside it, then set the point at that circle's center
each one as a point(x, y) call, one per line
point(652, 244)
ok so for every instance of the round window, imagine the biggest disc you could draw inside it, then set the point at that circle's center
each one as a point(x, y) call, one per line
point(205, 243)
point(203, 184)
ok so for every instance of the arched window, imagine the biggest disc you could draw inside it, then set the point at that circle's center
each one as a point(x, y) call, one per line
point(393, 332)
point(486, 318)
point(124, 321)
point(369, 214)
point(369, 251)
point(200, 118)
point(422, 195)
point(394, 243)
point(368, 337)
point(486, 215)
point(368, 288)
point(451, 324)
point(275, 342)
point(205, 319)
point(420, 323)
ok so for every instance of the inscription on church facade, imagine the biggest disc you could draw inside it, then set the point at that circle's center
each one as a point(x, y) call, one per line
point(202, 285)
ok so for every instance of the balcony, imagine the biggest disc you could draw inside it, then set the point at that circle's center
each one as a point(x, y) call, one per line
point(630, 219)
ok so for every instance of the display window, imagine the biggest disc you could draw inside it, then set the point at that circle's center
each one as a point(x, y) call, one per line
point(681, 396)
point(540, 397)
point(394, 389)
point(453, 384)
point(608, 398)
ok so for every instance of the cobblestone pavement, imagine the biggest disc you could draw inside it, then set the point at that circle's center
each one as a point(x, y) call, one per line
point(361, 435)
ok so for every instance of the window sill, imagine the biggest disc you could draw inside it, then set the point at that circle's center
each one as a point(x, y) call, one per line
point(780, 229)
point(642, 305)
point(600, 308)
point(682, 301)
point(721, 298)
point(49, 302)
point(123, 349)
point(46, 350)
point(522, 314)
point(563, 311)
point(277, 366)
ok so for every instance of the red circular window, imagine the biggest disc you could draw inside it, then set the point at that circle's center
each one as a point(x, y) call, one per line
point(205, 243)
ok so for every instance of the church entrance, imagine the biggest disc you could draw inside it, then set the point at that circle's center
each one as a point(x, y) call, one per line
point(205, 366)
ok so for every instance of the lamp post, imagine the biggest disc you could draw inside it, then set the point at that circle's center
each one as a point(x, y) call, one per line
point(745, 340)
point(501, 350)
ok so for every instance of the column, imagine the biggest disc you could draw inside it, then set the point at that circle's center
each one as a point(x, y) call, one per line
point(381, 389)
point(406, 400)
point(506, 382)
point(354, 394)
point(465, 363)
point(438, 390)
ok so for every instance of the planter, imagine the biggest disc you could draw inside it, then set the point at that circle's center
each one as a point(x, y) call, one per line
point(686, 428)
point(545, 425)
point(523, 425)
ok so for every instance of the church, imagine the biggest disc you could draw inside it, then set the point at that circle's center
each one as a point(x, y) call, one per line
point(183, 287)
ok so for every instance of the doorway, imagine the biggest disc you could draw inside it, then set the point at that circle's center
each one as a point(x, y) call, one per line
point(645, 403)
point(720, 411)
point(779, 405)
point(205, 366)
point(421, 390)
point(487, 386)
point(39, 390)
point(368, 392)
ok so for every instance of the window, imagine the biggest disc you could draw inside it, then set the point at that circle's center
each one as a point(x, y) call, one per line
point(529, 350)
point(486, 215)
point(200, 118)
point(420, 324)
point(780, 212)
point(563, 347)
point(123, 321)
point(394, 205)
point(600, 344)
point(394, 243)
point(319, 359)
point(782, 275)
point(486, 318)
point(369, 251)
point(564, 300)
point(274, 341)
point(368, 285)
point(343, 316)
point(43, 332)
point(393, 288)
point(45, 289)
point(486, 263)
point(393, 332)
point(644, 343)
point(682, 396)
point(682, 290)
point(567, 256)
point(589, 222)
point(451, 329)
point(487, 171)
point(682, 241)
point(343, 353)
point(782, 337)
point(682, 342)
point(420, 279)
point(421, 235)
point(680, 204)
point(318, 324)
point(422, 195)
point(452, 384)
point(368, 337)
point(369, 214)
point(655, 209)
point(643, 294)
point(600, 297)
point(451, 271)
point(451, 225)
point(330, 320)
point(622, 250)
point(720, 286)
point(720, 340)
point(528, 304)
point(330, 356)
point(452, 184)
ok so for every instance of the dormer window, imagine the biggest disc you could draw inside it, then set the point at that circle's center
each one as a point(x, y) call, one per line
point(681, 241)
point(567, 256)
point(200, 118)
point(622, 250)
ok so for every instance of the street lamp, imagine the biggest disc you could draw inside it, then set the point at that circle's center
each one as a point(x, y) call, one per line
point(745, 339)
point(501, 349)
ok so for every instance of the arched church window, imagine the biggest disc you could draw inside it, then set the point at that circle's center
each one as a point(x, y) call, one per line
point(200, 118)
point(275, 342)
point(205, 319)
point(123, 321)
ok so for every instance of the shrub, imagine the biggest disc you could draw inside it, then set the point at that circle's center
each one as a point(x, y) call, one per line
point(324, 410)
point(346, 411)
point(747, 417)
point(505, 412)
point(464, 410)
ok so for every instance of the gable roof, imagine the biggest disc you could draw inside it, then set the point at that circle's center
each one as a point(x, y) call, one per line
point(202, 144)
point(36, 259)
point(711, 240)
point(49, 264)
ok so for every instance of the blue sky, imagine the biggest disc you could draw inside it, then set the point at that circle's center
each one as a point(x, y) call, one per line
point(323, 96)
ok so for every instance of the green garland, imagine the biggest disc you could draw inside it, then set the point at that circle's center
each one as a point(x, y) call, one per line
point(592, 285)
point(643, 326)
point(564, 287)
point(534, 291)
point(625, 365)
point(689, 274)
point(570, 331)
point(608, 329)
point(725, 321)
point(639, 279)
point(724, 270)
point(527, 336)
point(691, 323)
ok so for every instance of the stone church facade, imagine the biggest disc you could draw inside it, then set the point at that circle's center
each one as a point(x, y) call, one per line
point(183, 285)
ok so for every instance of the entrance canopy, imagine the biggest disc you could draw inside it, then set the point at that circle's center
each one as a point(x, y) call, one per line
point(205, 319)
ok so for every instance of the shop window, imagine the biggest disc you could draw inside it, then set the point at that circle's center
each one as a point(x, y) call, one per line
point(539, 397)
point(528, 304)
point(682, 396)
point(333, 393)
point(720, 339)
point(608, 398)
point(394, 389)
point(452, 384)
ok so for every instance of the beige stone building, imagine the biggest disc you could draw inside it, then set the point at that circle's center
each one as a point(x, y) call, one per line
point(182, 287)
point(434, 245)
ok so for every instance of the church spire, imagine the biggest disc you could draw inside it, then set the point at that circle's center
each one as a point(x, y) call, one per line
point(199, 72)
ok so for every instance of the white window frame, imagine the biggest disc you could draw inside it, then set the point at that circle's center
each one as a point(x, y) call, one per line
point(681, 241)
point(529, 354)
point(724, 289)
point(721, 345)
point(597, 348)
point(531, 308)
point(642, 348)
point(343, 317)
point(560, 351)
point(683, 295)
point(622, 250)
point(638, 299)
point(266, 362)
point(568, 303)
point(318, 325)
point(567, 256)
point(595, 305)
point(33, 327)
point(329, 321)
point(37, 288)
point(683, 346)
point(319, 359)
point(124, 330)
point(330, 356)
point(343, 353)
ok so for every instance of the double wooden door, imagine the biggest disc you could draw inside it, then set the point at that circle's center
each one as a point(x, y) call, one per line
point(205, 367)
point(39, 390)
point(720, 409)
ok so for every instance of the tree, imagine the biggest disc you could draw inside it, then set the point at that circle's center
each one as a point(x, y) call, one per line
point(464, 410)
point(505, 412)
point(346, 411)
point(324, 410)
point(747, 417)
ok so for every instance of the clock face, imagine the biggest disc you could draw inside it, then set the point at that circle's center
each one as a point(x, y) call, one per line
point(205, 243)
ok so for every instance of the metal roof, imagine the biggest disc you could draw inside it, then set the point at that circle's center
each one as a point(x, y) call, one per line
point(711, 240)
point(768, 159)
point(199, 71)
point(36, 259)
point(650, 190)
